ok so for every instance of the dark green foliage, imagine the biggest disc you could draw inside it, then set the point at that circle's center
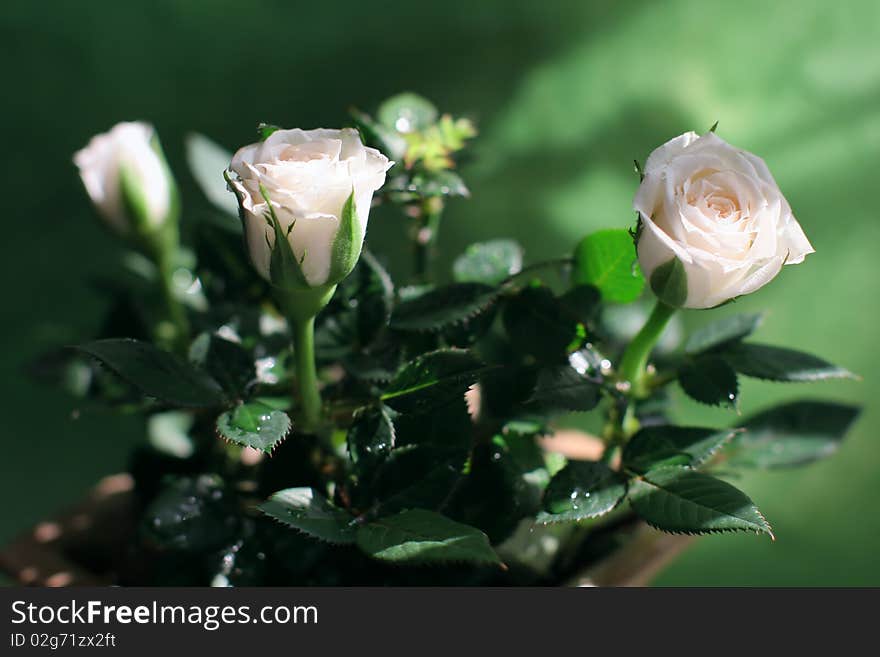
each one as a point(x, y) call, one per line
point(653, 447)
point(496, 494)
point(157, 373)
point(190, 514)
point(443, 306)
point(792, 434)
point(562, 388)
point(358, 313)
point(228, 362)
point(311, 513)
point(582, 489)
point(432, 379)
point(538, 324)
point(709, 380)
point(419, 536)
point(679, 500)
point(722, 331)
point(582, 302)
point(417, 476)
point(370, 438)
point(780, 363)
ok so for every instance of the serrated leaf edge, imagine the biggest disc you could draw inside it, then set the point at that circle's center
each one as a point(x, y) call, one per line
point(272, 448)
point(768, 529)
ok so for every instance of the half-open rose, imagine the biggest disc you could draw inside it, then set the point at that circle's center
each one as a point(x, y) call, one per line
point(714, 223)
point(320, 184)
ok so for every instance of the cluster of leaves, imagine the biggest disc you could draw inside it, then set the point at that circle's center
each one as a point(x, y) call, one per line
point(438, 399)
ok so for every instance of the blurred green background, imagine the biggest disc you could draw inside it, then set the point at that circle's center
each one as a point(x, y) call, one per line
point(566, 94)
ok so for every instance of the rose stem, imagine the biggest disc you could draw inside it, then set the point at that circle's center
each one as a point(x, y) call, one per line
point(622, 422)
point(635, 358)
point(306, 375)
point(176, 331)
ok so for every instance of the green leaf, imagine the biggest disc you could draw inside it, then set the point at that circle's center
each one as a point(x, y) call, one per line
point(469, 332)
point(607, 260)
point(418, 536)
point(254, 424)
point(418, 476)
point(582, 302)
point(709, 380)
point(432, 379)
point(407, 112)
point(207, 161)
point(357, 314)
point(652, 447)
point(780, 364)
point(446, 426)
point(723, 331)
point(311, 513)
point(538, 324)
point(228, 362)
point(157, 373)
point(191, 514)
point(582, 489)
point(792, 434)
point(562, 388)
point(496, 494)
point(669, 283)
point(443, 306)
point(371, 437)
point(683, 501)
point(488, 262)
point(374, 293)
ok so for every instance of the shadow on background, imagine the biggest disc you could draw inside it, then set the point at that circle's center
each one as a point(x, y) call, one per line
point(566, 95)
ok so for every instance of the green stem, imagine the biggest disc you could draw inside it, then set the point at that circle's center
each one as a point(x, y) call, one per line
point(300, 306)
point(306, 374)
point(175, 329)
point(635, 358)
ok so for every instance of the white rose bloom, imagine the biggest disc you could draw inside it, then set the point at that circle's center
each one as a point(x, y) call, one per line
point(133, 147)
point(309, 176)
point(714, 223)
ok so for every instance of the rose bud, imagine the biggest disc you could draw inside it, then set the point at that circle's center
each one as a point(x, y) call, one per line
point(320, 184)
point(714, 224)
point(127, 178)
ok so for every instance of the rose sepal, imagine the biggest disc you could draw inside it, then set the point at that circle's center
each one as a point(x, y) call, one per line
point(348, 243)
point(669, 283)
point(285, 271)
